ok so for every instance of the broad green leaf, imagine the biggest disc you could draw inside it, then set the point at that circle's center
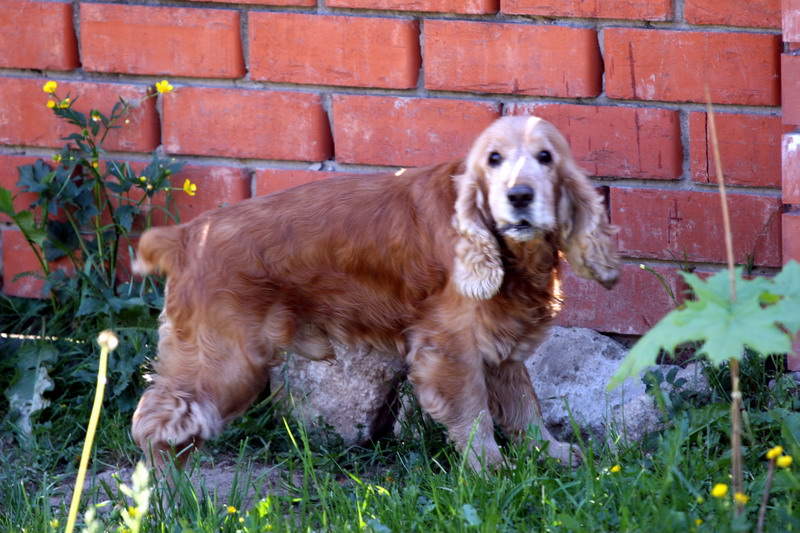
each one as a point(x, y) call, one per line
point(470, 515)
point(26, 395)
point(787, 285)
point(724, 327)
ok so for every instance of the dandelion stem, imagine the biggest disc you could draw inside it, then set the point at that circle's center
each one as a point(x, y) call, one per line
point(105, 348)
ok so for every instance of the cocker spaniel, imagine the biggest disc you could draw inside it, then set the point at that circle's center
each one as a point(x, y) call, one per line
point(452, 267)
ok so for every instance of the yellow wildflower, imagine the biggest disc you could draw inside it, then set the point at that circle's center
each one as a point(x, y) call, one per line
point(163, 86)
point(231, 509)
point(719, 490)
point(132, 511)
point(95, 164)
point(698, 521)
point(775, 452)
point(50, 104)
point(189, 187)
point(50, 87)
point(616, 468)
point(54, 523)
point(741, 497)
point(784, 461)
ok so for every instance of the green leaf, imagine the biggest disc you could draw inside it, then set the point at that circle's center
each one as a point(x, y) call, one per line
point(470, 515)
point(25, 221)
point(6, 202)
point(787, 285)
point(124, 216)
point(26, 395)
point(725, 327)
point(61, 239)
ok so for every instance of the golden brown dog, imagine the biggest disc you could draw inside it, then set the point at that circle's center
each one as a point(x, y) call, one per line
point(451, 267)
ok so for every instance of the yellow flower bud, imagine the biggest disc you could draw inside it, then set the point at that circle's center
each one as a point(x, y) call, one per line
point(784, 461)
point(742, 498)
point(616, 468)
point(50, 104)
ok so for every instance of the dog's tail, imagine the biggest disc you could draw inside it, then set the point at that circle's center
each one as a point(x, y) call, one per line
point(159, 250)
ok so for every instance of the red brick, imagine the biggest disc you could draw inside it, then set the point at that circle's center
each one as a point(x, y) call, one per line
point(791, 236)
point(790, 88)
point(333, 50)
point(246, 123)
point(791, 168)
point(632, 307)
point(163, 41)
point(38, 35)
point(601, 9)
point(384, 130)
point(28, 122)
point(749, 147)
point(270, 180)
point(19, 258)
point(753, 13)
point(676, 66)
point(9, 176)
point(265, 2)
point(512, 58)
point(216, 186)
point(672, 224)
point(624, 142)
point(790, 10)
point(471, 7)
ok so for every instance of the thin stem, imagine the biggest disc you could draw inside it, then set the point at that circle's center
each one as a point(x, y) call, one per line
point(723, 196)
point(736, 395)
point(90, 432)
point(762, 511)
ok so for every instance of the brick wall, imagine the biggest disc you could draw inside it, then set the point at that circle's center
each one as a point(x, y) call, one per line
point(272, 93)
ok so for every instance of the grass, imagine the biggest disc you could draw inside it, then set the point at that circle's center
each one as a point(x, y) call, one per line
point(283, 482)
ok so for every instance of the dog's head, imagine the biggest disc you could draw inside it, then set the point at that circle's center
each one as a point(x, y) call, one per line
point(522, 183)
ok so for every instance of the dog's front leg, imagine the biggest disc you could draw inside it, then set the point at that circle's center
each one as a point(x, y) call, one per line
point(452, 389)
point(514, 404)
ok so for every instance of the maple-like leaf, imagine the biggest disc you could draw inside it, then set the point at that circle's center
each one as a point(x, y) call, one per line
point(762, 317)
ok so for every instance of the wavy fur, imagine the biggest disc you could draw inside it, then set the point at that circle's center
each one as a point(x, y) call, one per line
point(437, 265)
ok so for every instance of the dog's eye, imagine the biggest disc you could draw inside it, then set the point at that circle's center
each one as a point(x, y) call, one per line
point(495, 159)
point(544, 157)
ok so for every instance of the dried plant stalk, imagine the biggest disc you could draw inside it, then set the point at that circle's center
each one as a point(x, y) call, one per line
point(736, 395)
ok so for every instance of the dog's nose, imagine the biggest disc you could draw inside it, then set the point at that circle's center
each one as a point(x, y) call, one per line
point(520, 196)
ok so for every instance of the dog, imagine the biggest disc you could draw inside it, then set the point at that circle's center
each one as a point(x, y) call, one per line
point(452, 267)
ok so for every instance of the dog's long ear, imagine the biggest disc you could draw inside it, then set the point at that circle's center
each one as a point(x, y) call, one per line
point(478, 269)
point(585, 235)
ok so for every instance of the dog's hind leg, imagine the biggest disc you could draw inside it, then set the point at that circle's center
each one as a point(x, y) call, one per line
point(203, 380)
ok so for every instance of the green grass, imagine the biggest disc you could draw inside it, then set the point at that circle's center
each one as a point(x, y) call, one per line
point(284, 482)
point(415, 485)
